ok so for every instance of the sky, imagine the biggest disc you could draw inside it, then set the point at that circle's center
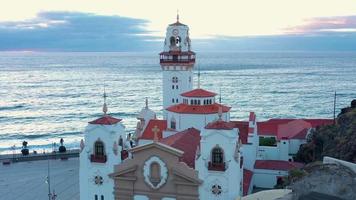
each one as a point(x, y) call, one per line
point(139, 25)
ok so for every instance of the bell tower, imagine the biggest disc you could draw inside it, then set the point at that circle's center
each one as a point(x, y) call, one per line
point(177, 62)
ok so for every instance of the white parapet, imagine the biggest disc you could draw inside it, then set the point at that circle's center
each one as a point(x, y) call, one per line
point(330, 160)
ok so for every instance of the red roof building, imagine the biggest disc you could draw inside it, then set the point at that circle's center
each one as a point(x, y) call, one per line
point(290, 128)
point(220, 125)
point(247, 181)
point(293, 128)
point(243, 130)
point(186, 141)
point(159, 125)
point(198, 109)
point(105, 120)
point(198, 93)
point(280, 165)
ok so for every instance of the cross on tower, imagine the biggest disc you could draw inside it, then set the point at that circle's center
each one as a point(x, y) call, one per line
point(155, 131)
point(105, 108)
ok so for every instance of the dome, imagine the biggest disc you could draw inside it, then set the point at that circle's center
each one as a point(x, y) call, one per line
point(146, 113)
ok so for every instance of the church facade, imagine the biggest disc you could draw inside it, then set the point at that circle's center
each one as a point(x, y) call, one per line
point(195, 151)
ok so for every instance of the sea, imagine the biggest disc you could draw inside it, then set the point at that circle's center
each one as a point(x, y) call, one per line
point(45, 96)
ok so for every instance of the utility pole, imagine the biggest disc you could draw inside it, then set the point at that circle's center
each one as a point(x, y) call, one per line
point(48, 180)
point(335, 107)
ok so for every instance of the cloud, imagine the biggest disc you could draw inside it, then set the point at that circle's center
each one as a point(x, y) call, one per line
point(341, 24)
point(74, 31)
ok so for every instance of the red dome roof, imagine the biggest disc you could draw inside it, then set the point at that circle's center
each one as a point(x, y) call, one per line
point(198, 109)
point(198, 93)
point(105, 120)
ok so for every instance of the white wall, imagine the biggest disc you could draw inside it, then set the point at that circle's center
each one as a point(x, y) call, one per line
point(330, 160)
point(198, 121)
point(184, 84)
point(88, 170)
point(231, 179)
point(294, 145)
point(266, 178)
point(267, 153)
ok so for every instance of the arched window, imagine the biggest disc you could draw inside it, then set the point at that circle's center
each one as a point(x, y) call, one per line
point(172, 41)
point(176, 100)
point(198, 102)
point(96, 197)
point(191, 102)
point(99, 148)
point(102, 197)
point(217, 156)
point(178, 41)
point(155, 172)
point(195, 102)
point(172, 87)
point(172, 100)
point(174, 79)
point(177, 87)
point(173, 123)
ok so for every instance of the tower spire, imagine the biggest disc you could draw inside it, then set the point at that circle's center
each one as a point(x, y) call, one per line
point(177, 15)
point(105, 107)
point(146, 102)
point(198, 77)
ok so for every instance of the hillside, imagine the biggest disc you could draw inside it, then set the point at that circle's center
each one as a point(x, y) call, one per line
point(337, 140)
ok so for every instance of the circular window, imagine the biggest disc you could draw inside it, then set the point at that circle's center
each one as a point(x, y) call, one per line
point(216, 189)
point(98, 180)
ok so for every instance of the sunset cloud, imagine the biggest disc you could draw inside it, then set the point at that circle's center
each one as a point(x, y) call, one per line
point(325, 24)
point(73, 31)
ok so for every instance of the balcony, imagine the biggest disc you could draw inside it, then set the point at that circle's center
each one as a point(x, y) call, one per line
point(177, 61)
point(177, 57)
point(216, 166)
point(98, 158)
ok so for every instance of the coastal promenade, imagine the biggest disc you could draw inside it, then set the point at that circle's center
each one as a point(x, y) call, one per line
point(27, 179)
point(10, 158)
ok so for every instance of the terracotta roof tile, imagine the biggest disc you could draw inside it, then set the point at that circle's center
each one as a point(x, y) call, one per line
point(186, 141)
point(247, 181)
point(197, 109)
point(243, 129)
point(277, 165)
point(148, 133)
point(220, 125)
point(105, 120)
point(198, 93)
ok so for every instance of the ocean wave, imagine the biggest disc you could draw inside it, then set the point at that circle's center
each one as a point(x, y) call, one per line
point(13, 107)
point(37, 136)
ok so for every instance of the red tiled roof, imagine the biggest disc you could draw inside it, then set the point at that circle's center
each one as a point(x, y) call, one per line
point(198, 93)
point(186, 141)
point(319, 122)
point(197, 109)
point(148, 133)
point(292, 128)
point(243, 129)
point(270, 127)
point(220, 125)
point(301, 135)
point(105, 120)
point(247, 181)
point(277, 165)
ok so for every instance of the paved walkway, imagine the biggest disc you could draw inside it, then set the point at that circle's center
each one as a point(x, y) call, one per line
point(27, 180)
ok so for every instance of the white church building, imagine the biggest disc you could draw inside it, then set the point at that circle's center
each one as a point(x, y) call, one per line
point(226, 158)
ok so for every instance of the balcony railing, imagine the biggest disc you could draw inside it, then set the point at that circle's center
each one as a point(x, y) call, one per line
point(184, 61)
point(98, 158)
point(217, 166)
